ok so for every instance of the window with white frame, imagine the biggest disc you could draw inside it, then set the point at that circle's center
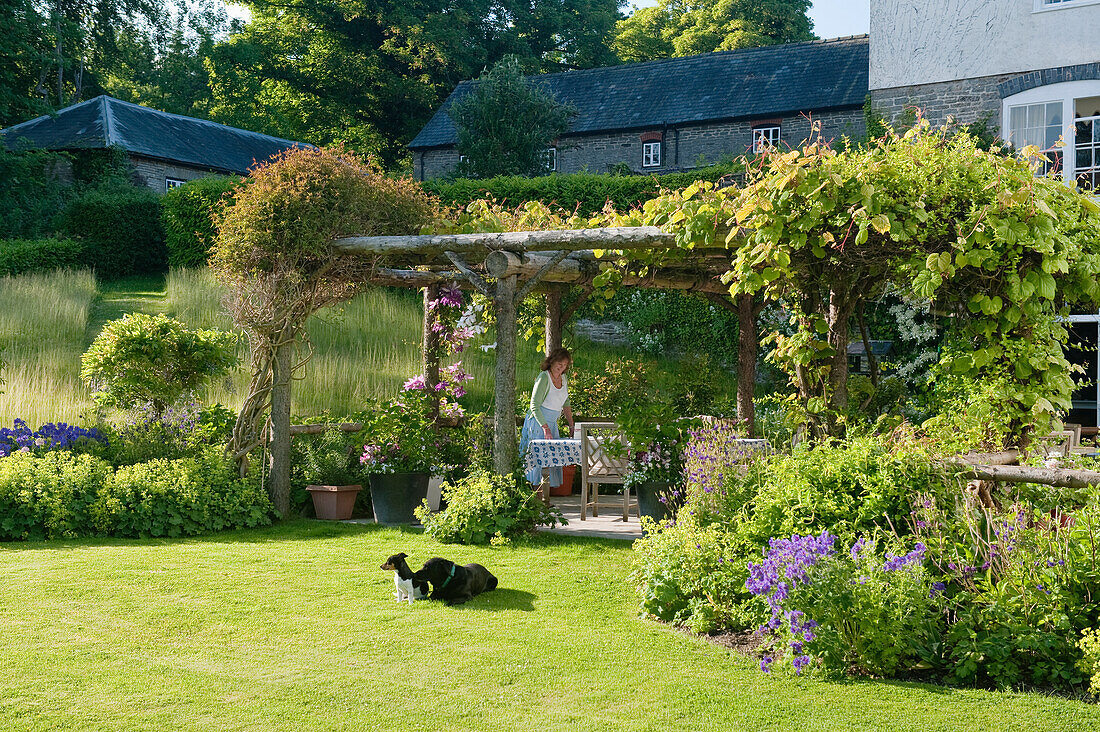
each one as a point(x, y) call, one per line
point(1040, 125)
point(651, 154)
point(551, 158)
point(1041, 5)
point(765, 137)
point(170, 183)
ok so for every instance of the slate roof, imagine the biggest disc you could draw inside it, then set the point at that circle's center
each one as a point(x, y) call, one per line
point(105, 122)
point(725, 85)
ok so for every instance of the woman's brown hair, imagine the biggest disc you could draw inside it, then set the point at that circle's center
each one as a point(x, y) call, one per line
point(558, 354)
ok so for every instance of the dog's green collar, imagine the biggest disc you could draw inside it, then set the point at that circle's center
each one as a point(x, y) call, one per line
point(450, 577)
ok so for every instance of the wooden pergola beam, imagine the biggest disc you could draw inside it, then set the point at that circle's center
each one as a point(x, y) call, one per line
point(573, 271)
point(621, 237)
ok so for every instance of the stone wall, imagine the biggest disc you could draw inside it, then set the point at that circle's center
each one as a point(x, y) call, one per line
point(152, 173)
point(966, 100)
point(683, 147)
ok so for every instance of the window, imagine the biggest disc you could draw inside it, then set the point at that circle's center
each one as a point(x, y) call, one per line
point(170, 183)
point(651, 154)
point(551, 158)
point(1086, 153)
point(1039, 125)
point(1041, 5)
point(765, 137)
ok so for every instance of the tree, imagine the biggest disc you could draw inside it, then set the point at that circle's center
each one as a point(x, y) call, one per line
point(23, 54)
point(506, 123)
point(677, 28)
point(370, 74)
point(273, 253)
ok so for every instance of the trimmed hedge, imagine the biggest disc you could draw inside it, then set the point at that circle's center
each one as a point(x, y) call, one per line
point(63, 495)
point(189, 218)
point(585, 193)
point(121, 227)
point(23, 256)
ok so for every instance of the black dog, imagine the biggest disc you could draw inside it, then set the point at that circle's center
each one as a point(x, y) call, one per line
point(407, 587)
point(454, 583)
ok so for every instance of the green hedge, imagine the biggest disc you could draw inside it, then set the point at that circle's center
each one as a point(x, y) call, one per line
point(584, 192)
point(189, 218)
point(121, 227)
point(22, 256)
point(64, 495)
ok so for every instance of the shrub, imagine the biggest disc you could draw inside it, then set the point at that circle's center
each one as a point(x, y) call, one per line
point(49, 496)
point(586, 193)
point(189, 212)
point(181, 497)
point(31, 192)
point(179, 432)
point(120, 225)
point(486, 506)
point(22, 256)
point(1090, 664)
point(155, 360)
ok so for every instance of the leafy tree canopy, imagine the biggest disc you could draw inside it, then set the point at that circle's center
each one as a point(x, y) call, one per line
point(506, 124)
point(369, 74)
point(688, 27)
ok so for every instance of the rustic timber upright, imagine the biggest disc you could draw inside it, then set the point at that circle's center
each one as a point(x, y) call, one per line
point(506, 267)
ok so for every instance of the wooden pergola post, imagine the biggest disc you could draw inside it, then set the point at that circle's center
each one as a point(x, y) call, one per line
point(431, 349)
point(504, 393)
point(279, 445)
point(553, 319)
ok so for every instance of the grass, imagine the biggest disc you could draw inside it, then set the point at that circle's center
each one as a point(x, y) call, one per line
point(362, 350)
point(293, 628)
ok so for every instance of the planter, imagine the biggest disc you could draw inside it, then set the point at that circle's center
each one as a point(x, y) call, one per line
point(566, 487)
point(649, 503)
point(396, 495)
point(334, 502)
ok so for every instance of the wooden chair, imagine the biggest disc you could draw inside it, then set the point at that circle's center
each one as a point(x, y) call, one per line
point(600, 465)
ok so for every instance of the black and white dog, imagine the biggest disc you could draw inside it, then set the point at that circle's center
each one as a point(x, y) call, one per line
point(454, 583)
point(408, 588)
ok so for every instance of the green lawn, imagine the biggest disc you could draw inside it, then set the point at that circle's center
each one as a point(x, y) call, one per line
point(294, 628)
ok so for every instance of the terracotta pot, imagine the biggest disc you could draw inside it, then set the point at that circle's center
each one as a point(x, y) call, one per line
point(334, 502)
point(566, 487)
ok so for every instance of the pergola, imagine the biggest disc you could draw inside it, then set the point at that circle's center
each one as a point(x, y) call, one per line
point(506, 267)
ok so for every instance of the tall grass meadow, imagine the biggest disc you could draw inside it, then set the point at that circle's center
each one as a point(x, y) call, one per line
point(362, 350)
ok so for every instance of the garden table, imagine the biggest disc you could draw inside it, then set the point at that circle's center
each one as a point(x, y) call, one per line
point(552, 454)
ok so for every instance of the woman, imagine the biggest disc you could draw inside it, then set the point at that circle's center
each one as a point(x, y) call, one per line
point(549, 399)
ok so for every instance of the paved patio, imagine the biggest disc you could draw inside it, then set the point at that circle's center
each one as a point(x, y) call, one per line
point(608, 525)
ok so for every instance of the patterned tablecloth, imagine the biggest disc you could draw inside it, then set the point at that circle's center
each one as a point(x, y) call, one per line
point(553, 453)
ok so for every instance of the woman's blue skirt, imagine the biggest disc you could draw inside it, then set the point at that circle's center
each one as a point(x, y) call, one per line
point(532, 430)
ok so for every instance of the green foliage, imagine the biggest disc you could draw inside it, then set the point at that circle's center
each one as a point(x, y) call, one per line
point(32, 195)
point(1090, 664)
point(584, 193)
point(189, 214)
point(685, 29)
point(178, 433)
point(871, 620)
point(49, 496)
point(145, 359)
point(484, 507)
point(506, 123)
point(22, 256)
point(599, 394)
point(63, 495)
point(329, 458)
point(298, 72)
point(183, 497)
point(120, 226)
point(666, 321)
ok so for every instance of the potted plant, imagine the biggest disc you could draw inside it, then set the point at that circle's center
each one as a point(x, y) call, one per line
point(325, 465)
point(655, 436)
point(404, 445)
